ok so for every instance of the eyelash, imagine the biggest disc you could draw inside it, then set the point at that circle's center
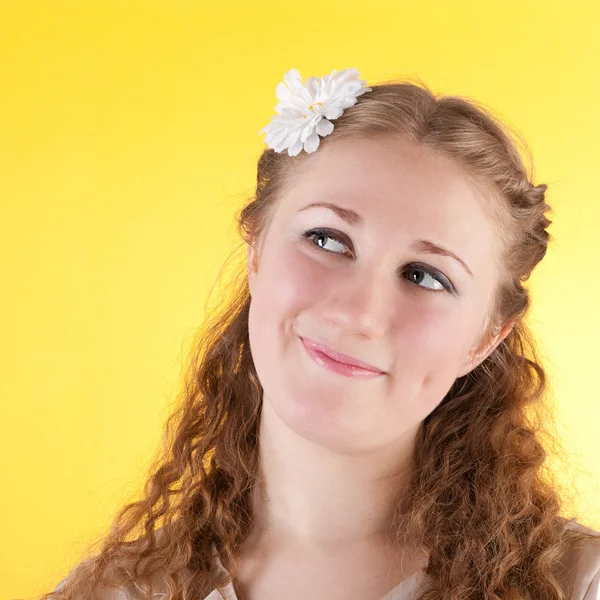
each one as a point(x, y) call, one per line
point(332, 235)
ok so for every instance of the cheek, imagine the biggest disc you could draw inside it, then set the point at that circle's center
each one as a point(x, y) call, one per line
point(434, 327)
point(289, 280)
point(281, 288)
point(432, 340)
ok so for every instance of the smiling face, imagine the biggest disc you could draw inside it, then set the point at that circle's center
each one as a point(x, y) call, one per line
point(368, 288)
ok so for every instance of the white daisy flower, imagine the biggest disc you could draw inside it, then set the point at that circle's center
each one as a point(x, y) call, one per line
point(305, 110)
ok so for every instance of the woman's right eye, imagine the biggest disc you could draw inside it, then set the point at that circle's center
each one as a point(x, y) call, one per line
point(324, 234)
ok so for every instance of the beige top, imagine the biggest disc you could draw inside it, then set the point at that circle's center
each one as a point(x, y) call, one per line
point(581, 573)
point(405, 590)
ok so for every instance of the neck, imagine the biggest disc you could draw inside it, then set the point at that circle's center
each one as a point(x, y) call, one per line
point(316, 495)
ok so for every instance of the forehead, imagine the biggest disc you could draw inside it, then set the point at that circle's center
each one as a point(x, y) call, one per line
point(382, 168)
point(389, 181)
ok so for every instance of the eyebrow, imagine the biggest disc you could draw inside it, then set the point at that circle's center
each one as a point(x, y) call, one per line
point(353, 218)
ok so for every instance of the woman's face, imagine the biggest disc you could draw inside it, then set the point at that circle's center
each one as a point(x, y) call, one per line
point(374, 293)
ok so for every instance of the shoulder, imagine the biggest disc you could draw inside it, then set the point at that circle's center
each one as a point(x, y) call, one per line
point(130, 590)
point(122, 592)
point(581, 565)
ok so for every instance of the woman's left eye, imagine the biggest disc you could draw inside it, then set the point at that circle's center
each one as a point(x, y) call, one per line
point(433, 274)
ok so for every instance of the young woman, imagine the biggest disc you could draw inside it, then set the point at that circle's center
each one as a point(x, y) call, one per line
point(365, 419)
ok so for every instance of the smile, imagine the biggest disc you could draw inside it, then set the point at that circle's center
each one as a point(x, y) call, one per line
point(337, 367)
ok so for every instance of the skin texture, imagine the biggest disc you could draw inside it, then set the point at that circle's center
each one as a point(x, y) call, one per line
point(334, 449)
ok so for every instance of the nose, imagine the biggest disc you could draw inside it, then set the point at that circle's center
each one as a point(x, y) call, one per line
point(359, 301)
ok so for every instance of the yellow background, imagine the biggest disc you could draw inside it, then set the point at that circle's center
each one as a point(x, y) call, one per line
point(129, 138)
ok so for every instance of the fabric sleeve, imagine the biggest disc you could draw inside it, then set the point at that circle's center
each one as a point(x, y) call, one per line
point(121, 593)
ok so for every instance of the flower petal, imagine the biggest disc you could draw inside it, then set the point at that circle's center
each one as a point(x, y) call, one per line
point(282, 91)
point(292, 137)
point(324, 127)
point(293, 80)
point(333, 112)
point(292, 102)
point(292, 111)
point(346, 102)
point(312, 86)
point(312, 142)
point(351, 85)
point(295, 149)
point(280, 137)
point(309, 127)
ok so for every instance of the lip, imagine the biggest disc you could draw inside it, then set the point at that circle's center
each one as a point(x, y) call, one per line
point(340, 363)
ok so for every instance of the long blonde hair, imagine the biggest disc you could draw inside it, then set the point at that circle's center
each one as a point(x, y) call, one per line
point(481, 498)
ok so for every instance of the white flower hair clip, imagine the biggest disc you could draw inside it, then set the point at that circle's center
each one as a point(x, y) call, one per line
point(305, 110)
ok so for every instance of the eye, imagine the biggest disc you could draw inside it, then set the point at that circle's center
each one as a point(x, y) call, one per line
point(439, 280)
point(325, 234)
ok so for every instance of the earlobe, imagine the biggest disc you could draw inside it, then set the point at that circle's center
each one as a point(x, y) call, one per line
point(249, 258)
point(477, 356)
point(251, 263)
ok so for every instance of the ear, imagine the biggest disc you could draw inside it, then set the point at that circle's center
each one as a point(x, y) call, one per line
point(484, 349)
point(252, 262)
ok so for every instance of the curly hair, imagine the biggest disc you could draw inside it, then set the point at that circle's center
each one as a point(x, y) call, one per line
point(481, 497)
